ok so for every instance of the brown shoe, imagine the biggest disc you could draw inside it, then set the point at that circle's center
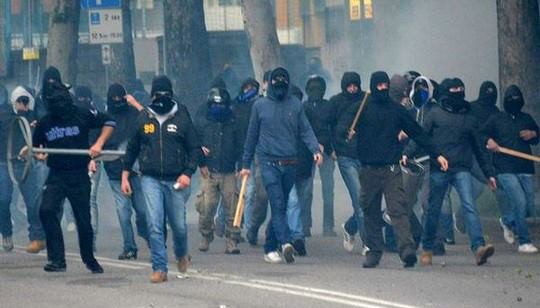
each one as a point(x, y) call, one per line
point(158, 277)
point(205, 244)
point(35, 246)
point(232, 247)
point(183, 263)
point(426, 259)
point(483, 253)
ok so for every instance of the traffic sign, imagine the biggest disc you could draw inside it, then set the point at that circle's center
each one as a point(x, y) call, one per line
point(100, 4)
point(105, 26)
point(106, 54)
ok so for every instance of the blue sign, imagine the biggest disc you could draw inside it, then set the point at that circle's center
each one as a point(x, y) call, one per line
point(94, 18)
point(100, 4)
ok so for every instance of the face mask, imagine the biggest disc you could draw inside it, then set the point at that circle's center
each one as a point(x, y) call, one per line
point(246, 97)
point(162, 105)
point(490, 99)
point(420, 97)
point(280, 89)
point(59, 107)
point(115, 106)
point(381, 94)
point(219, 113)
point(513, 106)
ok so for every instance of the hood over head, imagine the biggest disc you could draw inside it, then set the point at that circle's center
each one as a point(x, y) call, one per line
point(297, 92)
point(279, 84)
point(398, 88)
point(315, 87)
point(18, 93)
point(488, 94)
point(59, 102)
point(219, 105)
point(116, 90)
point(50, 76)
point(513, 100)
point(376, 79)
point(83, 98)
point(161, 85)
point(421, 91)
point(244, 97)
point(453, 101)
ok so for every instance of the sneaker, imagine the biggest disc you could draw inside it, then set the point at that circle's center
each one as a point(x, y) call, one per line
point(348, 239)
point(55, 267)
point(372, 259)
point(183, 263)
point(273, 257)
point(508, 235)
point(408, 257)
point(426, 258)
point(365, 250)
point(288, 253)
point(232, 247)
point(158, 277)
point(449, 241)
point(7, 243)
point(205, 244)
point(483, 253)
point(459, 223)
point(35, 246)
point(71, 227)
point(128, 255)
point(527, 248)
point(300, 247)
point(94, 267)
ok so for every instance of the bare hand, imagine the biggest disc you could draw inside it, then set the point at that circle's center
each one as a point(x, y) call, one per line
point(24, 151)
point(244, 172)
point(126, 187)
point(204, 172)
point(40, 156)
point(492, 145)
point(183, 181)
point(206, 151)
point(95, 150)
point(443, 163)
point(404, 160)
point(492, 183)
point(318, 158)
point(527, 134)
point(92, 166)
point(402, 136)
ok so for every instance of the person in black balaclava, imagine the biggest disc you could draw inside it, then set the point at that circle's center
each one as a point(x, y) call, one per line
point(486, 104)
point(220, 139)
point(516, 130)
point(168, 150)
point(344, 108)
point(379, 152)
point(66, 126)
point(125, 114)
point(51, 76)
point(455, 132)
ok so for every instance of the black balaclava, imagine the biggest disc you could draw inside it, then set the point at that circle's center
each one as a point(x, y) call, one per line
point(83, 98)
point(315, 88)
point(348, 79)
point(59, 102)
point(513, 100)
point(162, 95)
point(50, 77)
point(244, 97)
point(453, 102)
point(297, 92)
point(488, 94)
point(378, 78)
point(279, 84)
point(117, 105)
point(219, 105)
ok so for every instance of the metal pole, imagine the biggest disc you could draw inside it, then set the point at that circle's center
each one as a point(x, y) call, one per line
point(106, 76)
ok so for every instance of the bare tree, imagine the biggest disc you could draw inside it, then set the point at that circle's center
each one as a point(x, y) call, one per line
point(187, 50)
point(63, 38)
point(260, 25)
point(123, 68)
point(519, 48)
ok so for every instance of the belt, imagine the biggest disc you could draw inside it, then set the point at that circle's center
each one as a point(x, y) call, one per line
point(286, 162)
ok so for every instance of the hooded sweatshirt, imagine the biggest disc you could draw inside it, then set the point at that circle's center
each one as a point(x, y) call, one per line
point(486, 104)
point(344, 108)
point(319, 112)
point(242, 106)
point(505, 127)
point(276, 123)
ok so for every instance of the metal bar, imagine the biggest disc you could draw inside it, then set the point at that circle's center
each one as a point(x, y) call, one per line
point(76, 152)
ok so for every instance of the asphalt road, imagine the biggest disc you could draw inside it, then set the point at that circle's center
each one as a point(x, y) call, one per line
point(328, 277)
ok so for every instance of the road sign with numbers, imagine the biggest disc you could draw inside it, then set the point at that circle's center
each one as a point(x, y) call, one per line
point(105, 26)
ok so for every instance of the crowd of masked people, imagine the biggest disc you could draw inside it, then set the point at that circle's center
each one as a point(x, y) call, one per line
point(400, 148)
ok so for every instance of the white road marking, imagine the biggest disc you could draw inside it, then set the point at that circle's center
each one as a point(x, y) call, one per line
point(330, 296)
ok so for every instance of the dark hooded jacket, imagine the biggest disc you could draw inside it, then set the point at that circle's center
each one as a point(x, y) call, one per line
point(242, 105)
point(319, 112)
point(504, 128)
point(486, 104)
point(379, 125)
point(276, 124)
point(126, 119)
point(344, 108)
point(455, 132)
point(41, 101)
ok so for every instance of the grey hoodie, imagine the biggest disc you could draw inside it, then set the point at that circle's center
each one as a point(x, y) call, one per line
point(21, 91)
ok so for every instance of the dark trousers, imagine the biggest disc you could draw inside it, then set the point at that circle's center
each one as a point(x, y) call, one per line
point(387, 180)
point(75, 186)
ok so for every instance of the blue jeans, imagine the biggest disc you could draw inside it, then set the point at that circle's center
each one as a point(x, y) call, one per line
point(462, 182)
point(326, 172)
point(94, 188)
point(350, 172)
point(31, 190)
point(278, 180)
point(518, 191)
point(124, 209)
point(163, 201)
point(300, 199)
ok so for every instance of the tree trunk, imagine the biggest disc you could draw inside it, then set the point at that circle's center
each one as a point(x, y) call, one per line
point(519, 49)
point(123, 68)
point(64, 38)
point(260, 27)
point(187, 49)
point(4, 40)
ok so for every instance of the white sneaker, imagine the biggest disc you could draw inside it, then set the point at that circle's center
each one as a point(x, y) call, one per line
point(365, 249)
point(507, 233)
point(288, 253)
point(527, 248)
point(348, 240)
point(273, 257)
point(71, 227)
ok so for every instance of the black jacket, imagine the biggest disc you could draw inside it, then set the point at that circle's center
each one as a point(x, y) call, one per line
point(319, 114)
point(164, 151)
point(486, 104)
point(223, 139)
point(242, 113)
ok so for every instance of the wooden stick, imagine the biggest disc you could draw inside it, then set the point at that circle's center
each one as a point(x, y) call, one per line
point(352, 132)
point(240, 205)
point(515, 153)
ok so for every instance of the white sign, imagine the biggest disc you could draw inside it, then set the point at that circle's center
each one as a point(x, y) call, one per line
point(105, 26)
point(106, 54)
